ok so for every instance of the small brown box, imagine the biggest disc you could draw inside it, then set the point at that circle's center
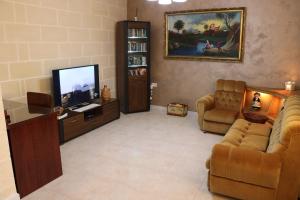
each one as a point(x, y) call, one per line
point(177, 109)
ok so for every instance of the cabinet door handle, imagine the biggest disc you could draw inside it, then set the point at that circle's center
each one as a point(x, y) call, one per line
point(73, 121)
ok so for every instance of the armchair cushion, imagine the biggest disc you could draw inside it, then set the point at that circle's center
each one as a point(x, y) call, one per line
point(221, 115)
point(246, 165)
point(229, 94)
point(230, 86)
point(229, 100)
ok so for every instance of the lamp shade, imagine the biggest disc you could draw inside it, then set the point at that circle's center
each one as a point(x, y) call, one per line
point(290, 85)
point(179, 1)
point(165, 2)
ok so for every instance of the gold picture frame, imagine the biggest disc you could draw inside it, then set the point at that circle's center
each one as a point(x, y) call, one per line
point(210, 34)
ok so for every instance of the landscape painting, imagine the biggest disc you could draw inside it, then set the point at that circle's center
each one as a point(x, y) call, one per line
point(205, 34)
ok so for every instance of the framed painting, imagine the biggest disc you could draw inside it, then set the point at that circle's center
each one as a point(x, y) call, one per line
point(214, 34)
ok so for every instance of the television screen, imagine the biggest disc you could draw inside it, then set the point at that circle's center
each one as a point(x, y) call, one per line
point(74, 86)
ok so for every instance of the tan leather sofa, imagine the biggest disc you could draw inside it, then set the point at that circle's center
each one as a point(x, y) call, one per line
point(252, 163)
point(216, 113)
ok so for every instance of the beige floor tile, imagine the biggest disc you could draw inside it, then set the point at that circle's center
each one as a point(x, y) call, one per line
point(43, 194)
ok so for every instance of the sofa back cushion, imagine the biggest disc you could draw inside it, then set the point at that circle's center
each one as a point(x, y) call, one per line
point(290, 120)
point(286, 123)
point(274, 144)
point(229, 94)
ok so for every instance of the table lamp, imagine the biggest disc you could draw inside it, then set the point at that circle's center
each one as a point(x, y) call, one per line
point(290, 85)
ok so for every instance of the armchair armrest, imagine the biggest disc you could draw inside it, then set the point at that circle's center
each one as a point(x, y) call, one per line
point(246, 165)
point(207, 102)
point(202, 105)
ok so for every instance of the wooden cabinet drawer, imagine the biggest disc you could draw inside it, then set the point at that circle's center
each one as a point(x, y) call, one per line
point(110, 112)
point(73, 126)
point(74, 120)
point(113, 106)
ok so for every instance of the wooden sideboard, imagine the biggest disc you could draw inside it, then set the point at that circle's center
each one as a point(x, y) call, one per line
point(34, 145)
point(78, 123)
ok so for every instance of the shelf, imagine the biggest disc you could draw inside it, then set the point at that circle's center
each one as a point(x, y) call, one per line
point(272, 100)
point(137, 52)
point(137, 37)
point(282, 93)
point(135, 66)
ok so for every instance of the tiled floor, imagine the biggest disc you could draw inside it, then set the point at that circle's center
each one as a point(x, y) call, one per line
point(143, 156)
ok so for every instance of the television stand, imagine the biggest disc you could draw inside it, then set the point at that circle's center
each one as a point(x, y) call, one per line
point(78, 123)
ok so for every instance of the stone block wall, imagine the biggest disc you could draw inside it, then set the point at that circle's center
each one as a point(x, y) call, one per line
point(37, 36)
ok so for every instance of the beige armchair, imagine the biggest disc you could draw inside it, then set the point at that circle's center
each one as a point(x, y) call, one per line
point(216, 113)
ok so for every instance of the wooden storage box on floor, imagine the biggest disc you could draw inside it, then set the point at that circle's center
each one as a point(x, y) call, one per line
point(177, 109)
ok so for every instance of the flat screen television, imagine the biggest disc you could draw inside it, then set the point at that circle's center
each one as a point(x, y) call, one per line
point(76, 85)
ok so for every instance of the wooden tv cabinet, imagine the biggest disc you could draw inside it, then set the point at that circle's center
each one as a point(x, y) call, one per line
point(78, 123)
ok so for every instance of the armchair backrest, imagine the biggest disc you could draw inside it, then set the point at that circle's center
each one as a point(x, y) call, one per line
point(230, 94)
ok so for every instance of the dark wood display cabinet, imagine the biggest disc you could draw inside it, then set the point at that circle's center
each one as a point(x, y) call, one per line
point(133, 65)
point(78, 123)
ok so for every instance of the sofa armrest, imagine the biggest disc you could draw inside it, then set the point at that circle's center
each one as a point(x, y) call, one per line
point(202, 105)
point(246, 165)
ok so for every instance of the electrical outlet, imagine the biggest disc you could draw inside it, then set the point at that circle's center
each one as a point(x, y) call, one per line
point(153, 85)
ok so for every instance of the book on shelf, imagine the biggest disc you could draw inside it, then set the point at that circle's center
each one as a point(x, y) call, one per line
point(137, 60)
point(137, 33)
point(137, 46)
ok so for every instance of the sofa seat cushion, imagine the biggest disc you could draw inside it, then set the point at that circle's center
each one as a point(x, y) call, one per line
point(253, 128)
point(256, 142)
point(221, 116)
point(248, 135)
point(245, 134)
